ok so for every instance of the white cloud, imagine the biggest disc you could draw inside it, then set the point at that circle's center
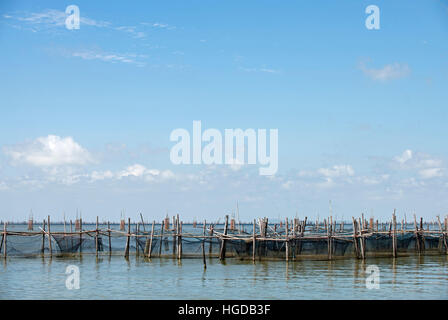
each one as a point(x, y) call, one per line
point(109, 57)
point(428, 167)
point(49, 151)
point(404, 157)
point(431, 173)
point(388, 72)
point(337, 171)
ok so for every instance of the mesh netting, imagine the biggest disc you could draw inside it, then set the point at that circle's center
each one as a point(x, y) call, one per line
point(195, 242)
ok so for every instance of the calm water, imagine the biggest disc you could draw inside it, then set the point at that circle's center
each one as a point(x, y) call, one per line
point(115, 278)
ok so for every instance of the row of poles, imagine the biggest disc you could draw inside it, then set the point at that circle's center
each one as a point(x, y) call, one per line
point(292, 232)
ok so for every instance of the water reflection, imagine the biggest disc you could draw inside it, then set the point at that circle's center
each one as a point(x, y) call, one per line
point(118, 278)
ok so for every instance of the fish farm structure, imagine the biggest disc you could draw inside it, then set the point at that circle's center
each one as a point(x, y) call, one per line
point(291, 239)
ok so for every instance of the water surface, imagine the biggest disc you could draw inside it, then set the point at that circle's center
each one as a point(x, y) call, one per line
point(137, 278)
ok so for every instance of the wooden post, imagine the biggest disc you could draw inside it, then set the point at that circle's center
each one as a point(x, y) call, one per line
point(43, 238)
point(355, 241)
point(110, 241)
point(149, 248)
point(161, 237)
point(203, 246)
point(210, 248)
point(417, 237)
point(394, 235)
point(175, 227)
point(5, 233)
point(128, 239)
point(328, 230)
point(137, 245)
point(71, 234)
point(361, 241)
point(222, 254)
point(49, 237)
point(253, 243)
point(443, 235)
point(422, 235)
point(179, 242)
point(96, 237)
point(80, 235)
point(286, 240)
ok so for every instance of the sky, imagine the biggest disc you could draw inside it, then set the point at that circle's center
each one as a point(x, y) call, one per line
point(86, 114)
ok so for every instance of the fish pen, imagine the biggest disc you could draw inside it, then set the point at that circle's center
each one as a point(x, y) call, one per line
point(291, 239)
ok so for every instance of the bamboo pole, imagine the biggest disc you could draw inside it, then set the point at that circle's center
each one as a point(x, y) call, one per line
point(443, 235)
point(80, 235)
point(96, 237)
point(253, 243)
point(110, 241)
point(222, 254)
point(175, 225)
point(137, 245)
point(286, 240)
point(179, 242)
point(49, 237)
point(5, 234)
point(149, 249)
point(204, 261)
point(128, 239)
point(161, 237)
point(71, 235)
point(210, 248)
point(394, 235)
point(43, 238)
point(417, 237)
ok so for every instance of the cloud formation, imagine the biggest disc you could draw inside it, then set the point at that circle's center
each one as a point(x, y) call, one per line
point(49, 151)
point(388, 72)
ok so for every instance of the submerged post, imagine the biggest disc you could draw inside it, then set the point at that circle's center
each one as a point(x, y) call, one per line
point(161, 236)
point(80, 235)
point(49, 237)
point(128, 239)
point(5, 233)
point(149, 250)
point(43, 238)
point(96, 237)
point(286, 240)
point(108, 233)
point(253, 243)
point(394, 235)
point(203, 246)
point(222, 255)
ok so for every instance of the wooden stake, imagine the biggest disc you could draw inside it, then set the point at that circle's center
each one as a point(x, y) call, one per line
point(128, 239)
point(286, 241)
point(5, 234)
point(137, 245)
point(222, 254)
point(161, 238)
point(253, 243)
point(96, 237)
point(203, 246)
point(43, 238)
point(394, 235)
point(49, 237)
point(110, 241)
point(148, 249)
point(80, 235)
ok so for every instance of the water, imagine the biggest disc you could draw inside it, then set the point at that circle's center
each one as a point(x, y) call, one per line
point(137, 278)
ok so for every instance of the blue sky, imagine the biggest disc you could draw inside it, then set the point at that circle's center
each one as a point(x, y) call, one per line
point(86, 114)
